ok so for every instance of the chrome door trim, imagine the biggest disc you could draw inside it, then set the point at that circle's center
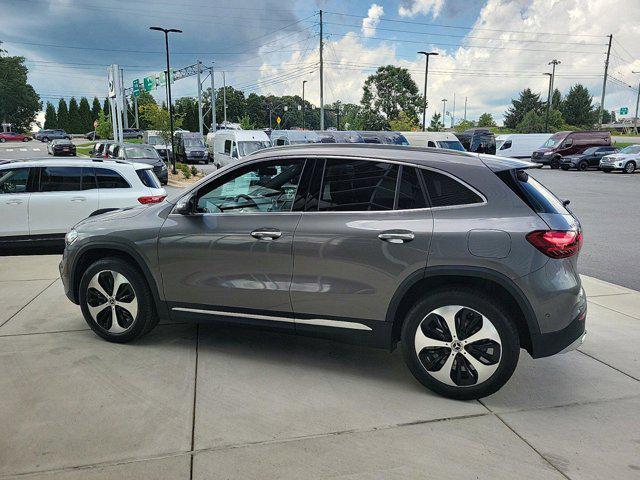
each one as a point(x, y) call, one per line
point(324, 322)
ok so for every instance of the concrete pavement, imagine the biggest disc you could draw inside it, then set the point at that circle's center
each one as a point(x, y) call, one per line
point(208, 402)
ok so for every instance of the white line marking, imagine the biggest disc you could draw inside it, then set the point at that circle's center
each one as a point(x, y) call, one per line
point(9, 149)
point(23, 149)
point(35, 149)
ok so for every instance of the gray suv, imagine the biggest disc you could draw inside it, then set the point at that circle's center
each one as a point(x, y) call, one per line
point(463, 259)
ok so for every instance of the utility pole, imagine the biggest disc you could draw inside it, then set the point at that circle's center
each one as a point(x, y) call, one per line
point(213, 102)
point(635, 118)
point(135, 110)
point(604, 81)
point(424, 95)
point(553, 64)
point(465, 109)
point(321, 79)
point(125, 110)
point(453, 113)
point(200, 119)
point(444, 105)
point(224, 98)
point(303, 82)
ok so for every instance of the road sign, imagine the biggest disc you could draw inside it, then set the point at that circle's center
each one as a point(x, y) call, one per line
point(112, 80)
point(136, 88)
point(149, 83)
point(278, 120)
point(624, 110)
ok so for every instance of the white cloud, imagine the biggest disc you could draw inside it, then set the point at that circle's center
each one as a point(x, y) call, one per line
point(410, 8)
point(370, 23)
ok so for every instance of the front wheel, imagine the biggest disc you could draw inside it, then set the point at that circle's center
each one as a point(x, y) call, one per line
point(460, 344)
point(2, 140)
point(583, 166)
point(116, 301)
point(555, 163)
point(564, 167)
point(630, 167)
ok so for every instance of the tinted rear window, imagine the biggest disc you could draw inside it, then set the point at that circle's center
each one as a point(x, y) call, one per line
point(108, 178)
point(445, 191)
point(148, 178)
point(532, 192)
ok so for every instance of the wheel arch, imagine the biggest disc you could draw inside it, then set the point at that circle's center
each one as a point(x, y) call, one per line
point(491, 281)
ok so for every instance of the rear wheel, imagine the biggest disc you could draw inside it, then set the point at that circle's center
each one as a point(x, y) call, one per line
point(583, 166)
point(555, 163)
point(630, 167)
point(2, 140)
point(460, 344)
point(564, 167)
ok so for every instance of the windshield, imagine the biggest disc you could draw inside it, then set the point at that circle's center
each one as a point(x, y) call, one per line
point(141, 152)
point(451, 145)
point(193, 142)
point(399, 140)
point(155, 140)
point(631, 149)
point(554, 141)
point(589, 151)
point(250, 146)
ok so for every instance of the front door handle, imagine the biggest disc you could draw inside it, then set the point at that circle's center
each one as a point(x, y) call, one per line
point(396, 236)
point(14, 202)
point(266, 234)
point(78, 199)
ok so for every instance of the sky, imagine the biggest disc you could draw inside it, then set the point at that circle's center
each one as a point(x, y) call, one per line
point(489, 50)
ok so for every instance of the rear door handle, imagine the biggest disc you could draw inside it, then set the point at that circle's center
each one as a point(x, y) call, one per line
point(396, 236)
point(78, 199)
point(14, 202)
point(266, 234)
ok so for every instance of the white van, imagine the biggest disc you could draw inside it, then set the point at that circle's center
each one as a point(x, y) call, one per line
point(520, 145)
point(154, 137)
point(434, 140)
point(227, 146)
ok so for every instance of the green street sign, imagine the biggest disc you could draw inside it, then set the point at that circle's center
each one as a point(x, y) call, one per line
point(136, 88)
point(162, 78)
point(149, 83)
point(624, 110)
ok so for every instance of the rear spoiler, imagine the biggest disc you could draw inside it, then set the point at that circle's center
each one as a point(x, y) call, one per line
point(499, 164)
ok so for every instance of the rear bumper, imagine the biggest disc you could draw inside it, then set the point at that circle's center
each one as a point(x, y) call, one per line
point(561, 341)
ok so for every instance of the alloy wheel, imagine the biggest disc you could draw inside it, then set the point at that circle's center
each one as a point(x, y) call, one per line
point(112, 301)
point(458, 346)
point(630, 167)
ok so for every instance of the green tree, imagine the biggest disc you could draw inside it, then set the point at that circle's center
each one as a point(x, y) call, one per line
point(246, 124)
point(464, 125)
point(145, 98)
point(577, 108)
point(74, 118)
point(84, 115)
point(486, 120)
point(104, 128)
point(95, 110)
point(187, 109)
point(531, 123)
point(371, 120)
point(389, 91)
point(404, 123)
point(158, 119)
point(50, 119)
point(351, 117)
point(528, 101)
point(236, 104)
point(19, 103)
point(436, 124)
point(63, 115)
point(256, 111)
point(556, 99)
point(106, 108)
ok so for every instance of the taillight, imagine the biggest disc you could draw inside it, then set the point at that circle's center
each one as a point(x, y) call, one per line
point(556, 243)
point(151, 199)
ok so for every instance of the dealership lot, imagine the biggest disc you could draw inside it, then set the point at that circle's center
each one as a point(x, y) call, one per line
point(251, 404)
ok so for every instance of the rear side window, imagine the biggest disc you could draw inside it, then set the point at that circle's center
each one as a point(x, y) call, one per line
point(148, 178)
point(445, 191)
point(358, 185)
point(227, 147)
point(532, 192)
point(60, 179)
point(108, 178)
point(410, 194)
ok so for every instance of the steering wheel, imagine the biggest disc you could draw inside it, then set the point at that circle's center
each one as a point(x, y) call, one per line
point(251, 201)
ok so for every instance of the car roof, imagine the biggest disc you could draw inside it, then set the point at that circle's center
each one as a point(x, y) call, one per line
point(72, 162)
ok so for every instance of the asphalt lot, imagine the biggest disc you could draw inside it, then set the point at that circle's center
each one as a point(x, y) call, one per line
point(202, 402)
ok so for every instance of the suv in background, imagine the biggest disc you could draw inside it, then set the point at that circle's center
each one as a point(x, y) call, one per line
point(590, 158)
point(131, 133)
point(463, 259)
point(563, 144)
point(479, 140)
point(626, 160)
point(48, 135)
point(101, 149)
point(140, 153)
point(190, 148)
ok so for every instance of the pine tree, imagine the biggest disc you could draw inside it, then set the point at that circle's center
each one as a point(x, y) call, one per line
point(63, 115)
point(74, 118)
point(50, 118)
point(577, 108)
point(556, 99)
point(84, 115)
point(528, 101)
point(106, 108)
point(95, 110)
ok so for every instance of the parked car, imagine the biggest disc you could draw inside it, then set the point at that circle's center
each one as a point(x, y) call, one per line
point(563, 144)
point(464, 260)
point(101, 149)
point(140, 153)
point(51, 134)
point(61, 147)
point(386, 138)
point(339, 136)
point(590, 158)
point(293, 137)
point(228, 146)
point(520, 145)
point(434, 140)
point(190, 148)
point(479, 140)
point(154, 138)
point(132, 133)
point(626, 160)
point(92, 135)
point(13, 137)
point(41, 199)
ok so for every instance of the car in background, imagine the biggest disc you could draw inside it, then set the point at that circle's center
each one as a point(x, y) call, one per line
point(627, 160)
point(52, 134)
point(140, 153)
point(339, 136)
point(190, 148)
point(519, 145)
point(61, 146)
point(41, 199)
point(92, 136)
point(13, 137)
point(590, 158)
point(101, 149)
point(385, 138)
point(434, 140)
point(563, 144)
point(280, 138)
point(132, 133)
point(155, 139)
point(478, 140)
point(228, 146)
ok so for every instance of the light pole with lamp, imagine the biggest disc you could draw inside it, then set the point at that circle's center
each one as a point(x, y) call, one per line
point(424, 96)
point(303, 82)
point(444, 107)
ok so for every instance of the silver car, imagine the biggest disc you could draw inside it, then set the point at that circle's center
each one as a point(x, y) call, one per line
point(463, 259)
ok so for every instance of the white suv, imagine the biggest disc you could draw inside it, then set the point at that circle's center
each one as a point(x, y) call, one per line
point(43, 199)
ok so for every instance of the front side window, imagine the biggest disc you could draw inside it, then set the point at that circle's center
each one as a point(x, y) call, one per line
point(108, 178)
point(505, 145)
point(227, 147)
point(14, 180)
point(358, 185)
point(60, 179)
point(258, 188)
point(445, 191)
point(631, 149)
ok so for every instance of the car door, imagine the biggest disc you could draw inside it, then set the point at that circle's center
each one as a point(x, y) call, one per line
point(231, 258)
point(60, 202)
point(14, 201)
point(366, 229)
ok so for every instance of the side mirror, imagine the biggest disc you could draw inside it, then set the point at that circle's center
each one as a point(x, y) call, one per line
point(187, 205)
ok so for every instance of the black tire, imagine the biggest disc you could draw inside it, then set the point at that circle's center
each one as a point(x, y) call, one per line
point(583, 166)
point(2, 140)
point(555, 163)
point(146, 318)
point(480, 303)
point(565, 167)
point(45, 139)
point(630, 167)
point(26, 139)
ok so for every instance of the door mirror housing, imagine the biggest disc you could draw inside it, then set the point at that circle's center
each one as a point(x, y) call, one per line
point(187, 205)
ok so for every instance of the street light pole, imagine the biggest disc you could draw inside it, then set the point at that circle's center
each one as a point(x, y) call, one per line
point(424, 96)
point(166, 32)
point(303, 82)
point(546, 118)
point(635, 118)
point(444, 106)
point(553, 62)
